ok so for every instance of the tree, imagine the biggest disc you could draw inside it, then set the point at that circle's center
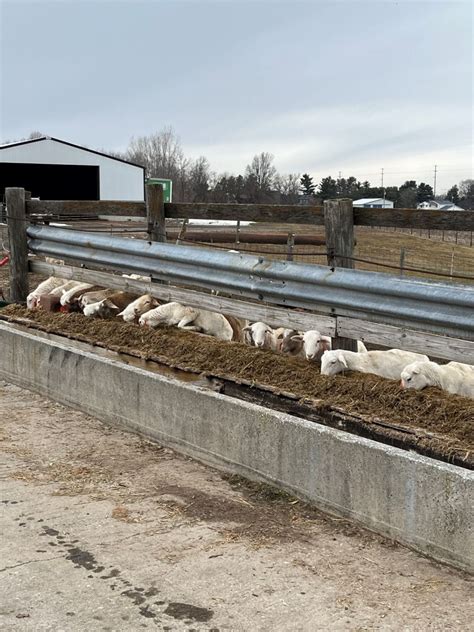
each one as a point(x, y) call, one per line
point(466, 194)
point(453, 194)
point(198, 179)
point(327, 188)
point(424, 192)
point(288, 187)
point(307, 187)
point(407, 194)
point(162, 156)
point(262, 169)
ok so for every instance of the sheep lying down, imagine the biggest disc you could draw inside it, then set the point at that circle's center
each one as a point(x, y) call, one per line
point(388, 364)
point(189, 318)
point(454, 377)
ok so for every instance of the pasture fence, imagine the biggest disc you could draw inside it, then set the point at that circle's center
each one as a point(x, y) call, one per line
point(341, 302)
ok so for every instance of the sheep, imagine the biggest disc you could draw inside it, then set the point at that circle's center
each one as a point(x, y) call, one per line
point(314, 344)
point(238, 326)
point(189, 318)
point(260, 335)
point(88, 298)
point(73, 295)
point(463, 367)
point(291, 343)
point(67, 285)
point(449, 377)
point(45, 287)
point(388, 364)
point(110, 305)
point(139, 306)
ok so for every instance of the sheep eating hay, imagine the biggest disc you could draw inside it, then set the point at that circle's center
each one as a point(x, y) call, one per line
point(388, 364)
point(449, 377)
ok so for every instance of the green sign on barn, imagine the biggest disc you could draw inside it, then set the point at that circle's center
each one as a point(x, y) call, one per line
point(167, 187)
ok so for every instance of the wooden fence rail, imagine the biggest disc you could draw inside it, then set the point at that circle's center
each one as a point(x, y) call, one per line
point(270, 213)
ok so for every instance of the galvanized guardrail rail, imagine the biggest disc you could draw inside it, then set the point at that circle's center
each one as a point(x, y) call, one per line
point(435, 307)
point(432, 317)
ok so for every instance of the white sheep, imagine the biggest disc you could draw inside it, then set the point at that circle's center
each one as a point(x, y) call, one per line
point(314, 344)
point(450, 378)
point(138, 307)
point(88, 298)
point(260, 335)
point(67, 285)
point(388, 364)
point(75, 292)
point(110, 305)
point(189, 318)
point(463, 367)
point(44, 288)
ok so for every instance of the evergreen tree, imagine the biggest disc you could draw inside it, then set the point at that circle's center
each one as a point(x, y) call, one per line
point(424, 192)
point(327, 188)
point(453, 194)
point(307, 187)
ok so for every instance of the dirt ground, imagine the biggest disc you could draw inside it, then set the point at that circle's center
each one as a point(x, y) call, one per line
point(444, 421)
point(104, 531)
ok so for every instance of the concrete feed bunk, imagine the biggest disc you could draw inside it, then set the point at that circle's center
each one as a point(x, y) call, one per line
point(416, 500)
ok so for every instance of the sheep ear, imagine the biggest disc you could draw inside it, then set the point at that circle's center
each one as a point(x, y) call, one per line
point(416, 371)
point(297, 337)
point(109, 304)
point(247, 328)
point(342, 359)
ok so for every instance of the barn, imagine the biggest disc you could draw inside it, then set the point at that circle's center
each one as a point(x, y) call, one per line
point(53, 169)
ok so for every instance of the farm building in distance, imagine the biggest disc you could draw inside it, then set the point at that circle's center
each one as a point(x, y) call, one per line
point(373, 203)
point(444, 205)
point(54, 169)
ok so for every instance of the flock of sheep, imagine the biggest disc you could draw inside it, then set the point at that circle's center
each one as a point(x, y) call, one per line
point(413, 369)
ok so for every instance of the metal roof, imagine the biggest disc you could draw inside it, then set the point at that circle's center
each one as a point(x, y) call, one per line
point(369, 200)
point(64, 142)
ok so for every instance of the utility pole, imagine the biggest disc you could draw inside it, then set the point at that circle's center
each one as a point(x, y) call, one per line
point(434, 180)
point(339, 175)
point(383, 190)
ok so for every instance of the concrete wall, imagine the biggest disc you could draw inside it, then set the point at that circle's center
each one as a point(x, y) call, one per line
point(415, 500)
point(118, 180)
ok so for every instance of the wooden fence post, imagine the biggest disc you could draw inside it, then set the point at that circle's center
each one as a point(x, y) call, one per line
point(290, 246)
point(16, 221)
point(155, 213)
point(339, 224)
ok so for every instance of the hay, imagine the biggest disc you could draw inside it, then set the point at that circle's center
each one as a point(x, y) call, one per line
point(367, 395)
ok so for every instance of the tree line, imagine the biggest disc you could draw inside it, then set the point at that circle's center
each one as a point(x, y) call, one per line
point(162, 155)
point(193, 180)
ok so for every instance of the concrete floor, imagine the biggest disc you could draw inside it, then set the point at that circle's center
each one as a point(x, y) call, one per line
point(104, 531)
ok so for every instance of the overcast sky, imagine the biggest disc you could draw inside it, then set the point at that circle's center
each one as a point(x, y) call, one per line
point(325, 86)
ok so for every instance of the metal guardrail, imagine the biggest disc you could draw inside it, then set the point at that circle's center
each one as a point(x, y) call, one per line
point(432, 307)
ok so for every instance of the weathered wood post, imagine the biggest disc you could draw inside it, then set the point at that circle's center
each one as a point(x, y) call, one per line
point(155, 213)
point(290, 243)
point(339, 225)
point(16, 221)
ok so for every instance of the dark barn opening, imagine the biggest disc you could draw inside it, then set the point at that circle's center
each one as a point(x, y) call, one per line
point(52, 182)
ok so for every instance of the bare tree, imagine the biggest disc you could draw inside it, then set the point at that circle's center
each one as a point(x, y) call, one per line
point(162, 156)
point(199, 178)
point(261, 169)
point(288, 186)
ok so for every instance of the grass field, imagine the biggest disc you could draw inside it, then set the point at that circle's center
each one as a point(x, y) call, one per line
point(382, 249)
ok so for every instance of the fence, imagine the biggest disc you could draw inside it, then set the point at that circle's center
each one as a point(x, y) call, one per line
point(346, 304)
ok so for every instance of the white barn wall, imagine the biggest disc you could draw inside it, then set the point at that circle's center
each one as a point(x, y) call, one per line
point(118, 180)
